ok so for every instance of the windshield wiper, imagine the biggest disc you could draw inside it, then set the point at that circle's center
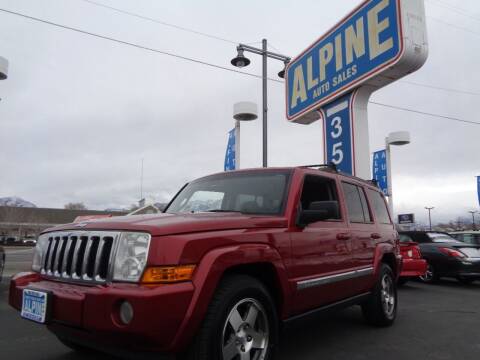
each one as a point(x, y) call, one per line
point(221, 210)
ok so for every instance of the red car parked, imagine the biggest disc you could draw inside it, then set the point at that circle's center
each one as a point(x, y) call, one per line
point(233, 255)
point(413, 265)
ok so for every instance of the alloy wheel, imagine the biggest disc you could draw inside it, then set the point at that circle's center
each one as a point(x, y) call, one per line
point(388, 295)
point(429, 274)
point(246, 332)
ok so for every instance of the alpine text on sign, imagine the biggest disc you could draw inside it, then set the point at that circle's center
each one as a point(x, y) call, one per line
point(379, 42)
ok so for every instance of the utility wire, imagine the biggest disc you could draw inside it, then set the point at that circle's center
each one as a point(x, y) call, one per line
point(269, 44)
point(460, 11)
point(135, 45)
point(424, 113)
point(454, 26)
point(211, 65)
point(439, 88)
point(182, 28)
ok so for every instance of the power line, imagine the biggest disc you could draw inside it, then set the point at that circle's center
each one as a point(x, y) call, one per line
point(439, 88)
point(269, 44)
point(143, 17)
point(425, 113)
point(460, 11)
point(454, 26)
point(211, 65)
point(201, 62)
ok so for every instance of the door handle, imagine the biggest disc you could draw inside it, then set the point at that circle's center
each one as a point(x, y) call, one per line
point(343, 236)
point(376, 236)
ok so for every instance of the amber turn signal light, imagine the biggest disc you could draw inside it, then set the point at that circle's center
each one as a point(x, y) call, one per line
point(168, 274)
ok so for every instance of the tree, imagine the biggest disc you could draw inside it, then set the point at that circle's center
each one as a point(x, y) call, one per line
point(75, 206)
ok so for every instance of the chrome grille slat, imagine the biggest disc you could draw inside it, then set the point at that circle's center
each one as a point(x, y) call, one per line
point(86, 257)
point(75, 259)
point(63, 271)
point(58, 256)
point(80, 256)
point(98, 257)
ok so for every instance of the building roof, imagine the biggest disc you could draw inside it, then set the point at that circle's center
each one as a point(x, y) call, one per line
point(45, 216)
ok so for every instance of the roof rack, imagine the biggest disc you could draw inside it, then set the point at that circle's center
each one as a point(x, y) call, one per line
point(330, 166)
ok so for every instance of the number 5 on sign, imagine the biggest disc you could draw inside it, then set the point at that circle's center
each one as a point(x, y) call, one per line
point(338, 142)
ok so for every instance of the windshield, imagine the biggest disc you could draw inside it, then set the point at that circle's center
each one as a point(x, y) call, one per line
point(441, 238)
point(246, 192)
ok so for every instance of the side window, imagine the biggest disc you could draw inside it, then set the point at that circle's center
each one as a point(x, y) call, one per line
point(356, 203)
point(468, 238)
point(317, 188)
point(379, 206)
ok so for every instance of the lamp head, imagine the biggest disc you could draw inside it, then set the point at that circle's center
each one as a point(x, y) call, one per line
point(3, 68)
point(240, 60)
point(399, 138)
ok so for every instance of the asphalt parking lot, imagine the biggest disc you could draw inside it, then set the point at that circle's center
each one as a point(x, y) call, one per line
point(434, 322)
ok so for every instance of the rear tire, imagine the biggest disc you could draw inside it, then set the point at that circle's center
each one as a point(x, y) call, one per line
point(241, 319)
point(381, 308)
point(430, 276)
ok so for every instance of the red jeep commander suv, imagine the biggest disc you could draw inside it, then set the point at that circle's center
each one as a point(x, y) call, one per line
point(213, 277)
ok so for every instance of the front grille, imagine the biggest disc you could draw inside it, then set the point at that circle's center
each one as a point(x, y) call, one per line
point(79, 255)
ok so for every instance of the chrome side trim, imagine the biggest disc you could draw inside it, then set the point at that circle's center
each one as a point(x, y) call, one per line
point(324, 280)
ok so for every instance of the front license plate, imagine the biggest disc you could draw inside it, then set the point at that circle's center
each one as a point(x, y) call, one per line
point(34, 305)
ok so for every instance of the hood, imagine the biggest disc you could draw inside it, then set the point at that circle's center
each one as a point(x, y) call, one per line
point(170, 224)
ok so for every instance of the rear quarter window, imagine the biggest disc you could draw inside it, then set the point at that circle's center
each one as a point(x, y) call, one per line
point(379, 206)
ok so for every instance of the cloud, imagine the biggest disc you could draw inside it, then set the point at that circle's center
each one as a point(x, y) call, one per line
point(78, 114)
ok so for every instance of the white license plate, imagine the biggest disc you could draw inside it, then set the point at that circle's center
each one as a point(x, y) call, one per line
point(34, 305)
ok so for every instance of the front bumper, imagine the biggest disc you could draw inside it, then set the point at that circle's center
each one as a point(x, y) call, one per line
point(413, 267)
point(89, 314)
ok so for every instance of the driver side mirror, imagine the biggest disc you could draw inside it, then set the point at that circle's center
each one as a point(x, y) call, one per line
point(317, 211)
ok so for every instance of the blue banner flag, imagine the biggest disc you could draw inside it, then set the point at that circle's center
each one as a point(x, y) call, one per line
point(230, 153)
point(380, 170)
point(478, 188)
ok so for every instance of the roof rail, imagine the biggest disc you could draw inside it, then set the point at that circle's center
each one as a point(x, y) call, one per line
point(330, 166)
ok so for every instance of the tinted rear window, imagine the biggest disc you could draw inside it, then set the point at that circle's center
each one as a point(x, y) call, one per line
point(357, 208)
point(379, 206)
point(441, 238)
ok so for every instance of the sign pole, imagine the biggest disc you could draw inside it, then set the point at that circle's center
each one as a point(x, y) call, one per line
point(389, 176)
point(237, 144)
point(265, 105)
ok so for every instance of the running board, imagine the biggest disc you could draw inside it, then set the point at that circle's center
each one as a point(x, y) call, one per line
point(355, 300)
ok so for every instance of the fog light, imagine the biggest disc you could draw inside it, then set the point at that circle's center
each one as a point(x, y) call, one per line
point(126, 312)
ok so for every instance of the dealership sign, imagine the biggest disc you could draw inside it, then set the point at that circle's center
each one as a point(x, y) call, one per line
point(406, 219)
point(378, 43)
point(380, 170)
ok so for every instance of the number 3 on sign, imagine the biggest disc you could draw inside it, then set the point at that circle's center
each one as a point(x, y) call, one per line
point(337, 152)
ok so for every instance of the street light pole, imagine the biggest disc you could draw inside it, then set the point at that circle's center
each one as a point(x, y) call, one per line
point(397, 138)
point(430, 208)
point(474, 226)
point(241, 61)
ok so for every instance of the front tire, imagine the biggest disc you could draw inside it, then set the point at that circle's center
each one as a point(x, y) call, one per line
point(241, 323)
point(381, 308)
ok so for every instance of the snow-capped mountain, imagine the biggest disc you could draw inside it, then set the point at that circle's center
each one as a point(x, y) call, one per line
point(15, 201)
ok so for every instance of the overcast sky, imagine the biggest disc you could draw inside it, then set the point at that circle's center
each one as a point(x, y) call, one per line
point(79, 113)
